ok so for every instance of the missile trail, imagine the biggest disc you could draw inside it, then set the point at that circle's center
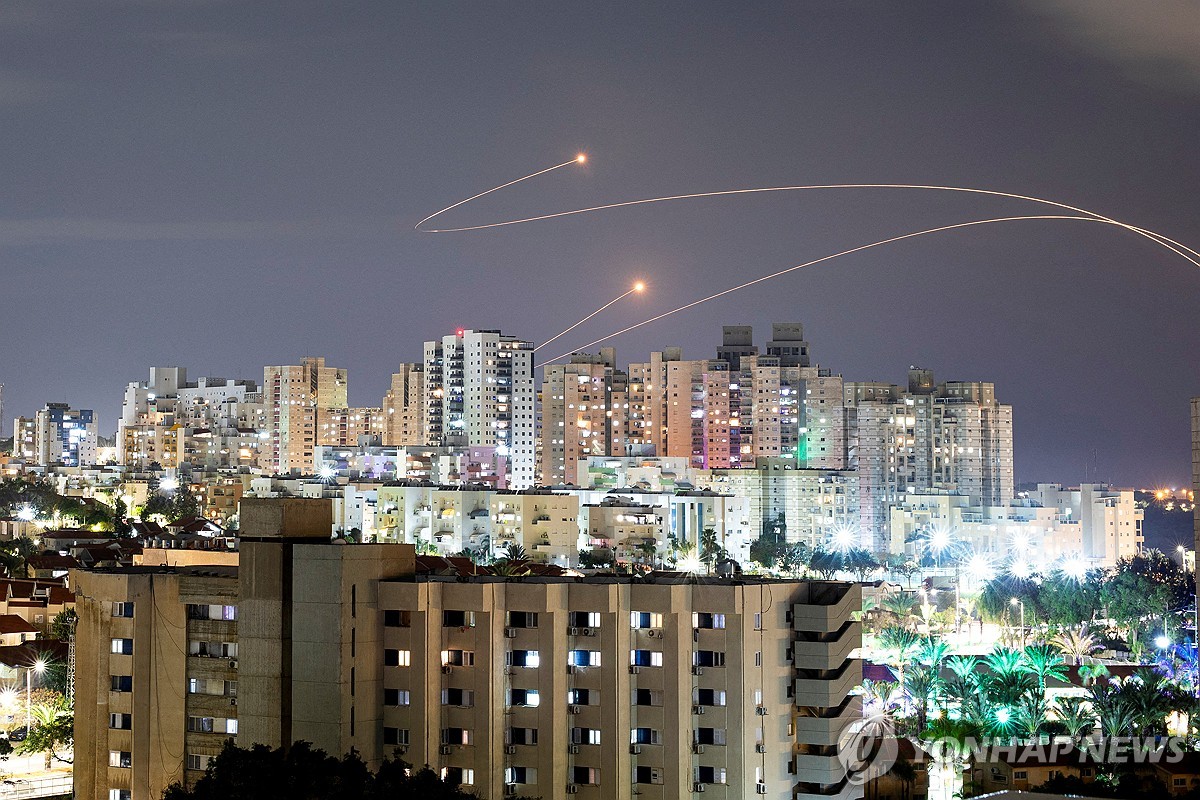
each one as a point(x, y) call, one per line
point(579, 159)
point(1158, 238)
point(637, 287)
point(830, 257)
point(1079, 214)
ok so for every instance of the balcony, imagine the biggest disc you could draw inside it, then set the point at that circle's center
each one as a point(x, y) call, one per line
point(840, 791)
point(830, 691)
point(824, 770)
point(830, 654)
point(828, 607)
point(826, 729)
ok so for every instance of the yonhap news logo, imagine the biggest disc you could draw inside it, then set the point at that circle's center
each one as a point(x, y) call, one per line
point(867, 749)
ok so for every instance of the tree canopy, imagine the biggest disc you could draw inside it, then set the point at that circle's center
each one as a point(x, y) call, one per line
point(302, 772)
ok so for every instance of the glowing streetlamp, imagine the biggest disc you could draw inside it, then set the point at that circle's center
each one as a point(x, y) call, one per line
point(39, 667)
point(1015, 602)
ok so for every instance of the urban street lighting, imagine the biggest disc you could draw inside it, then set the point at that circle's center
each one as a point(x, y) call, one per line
point(39, 667)
point(1015, 602)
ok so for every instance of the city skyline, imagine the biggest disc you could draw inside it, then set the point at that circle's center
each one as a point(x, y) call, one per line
point(224, 230)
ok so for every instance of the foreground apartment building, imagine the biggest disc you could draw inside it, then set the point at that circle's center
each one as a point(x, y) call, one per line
point(601, 686)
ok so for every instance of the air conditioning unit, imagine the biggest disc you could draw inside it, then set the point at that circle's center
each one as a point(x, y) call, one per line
point(573, 709)
point(698, 749)
point(635, 749)
point(233, 701)
point(587, 631)
point(697, 670)
point(572, 631)
point(697, 787)
point(573, 749)
point(634, 669)
point(510, 789)
point(510, 633)
point(697, 709)
point(760, 748)
point(760, 788)
point(653, 634)
point(447, 669)
point(233, 663)
point(572, 788)
point(444, 749)
point(511, 749)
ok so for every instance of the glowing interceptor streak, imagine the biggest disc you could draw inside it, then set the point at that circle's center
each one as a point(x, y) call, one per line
point(637, 288)
point(830, 257)
point(1080, 214)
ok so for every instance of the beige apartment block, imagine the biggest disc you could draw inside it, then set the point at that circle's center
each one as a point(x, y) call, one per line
point(404, 408)
point(156, 677)
point(610, 688)
point(662, 686)
point(585, 409)
point(292, 397)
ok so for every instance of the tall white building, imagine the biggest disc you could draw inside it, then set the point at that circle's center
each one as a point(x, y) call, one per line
point(62, 435)
point(174, 422)
point(951, 436)
point(479, 392)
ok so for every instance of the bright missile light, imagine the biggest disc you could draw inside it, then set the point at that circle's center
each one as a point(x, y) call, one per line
point(326, 473)
point(581, 158)
point(168, 484)
point(26, 514)
point(980, 568)
point(639, 287)
point(1075, 569)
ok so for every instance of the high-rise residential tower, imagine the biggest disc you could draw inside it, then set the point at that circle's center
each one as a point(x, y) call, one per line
point(479, 392)
point(297, 398)
point(952, 435)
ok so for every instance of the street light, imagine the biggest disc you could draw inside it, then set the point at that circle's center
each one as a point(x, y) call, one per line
point(39, 666)
point(1014, 602)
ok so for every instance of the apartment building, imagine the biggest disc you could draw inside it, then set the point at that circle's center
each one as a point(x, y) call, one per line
point(585, 409)
point(156, 677)
point(296, 398)
point(64, 436)
point(810, 506)
point(209, 423)
point(404, 408)
point(599, 686)
point(951, 436)
point(479, 392)
point(611, 688)
point(786, 407)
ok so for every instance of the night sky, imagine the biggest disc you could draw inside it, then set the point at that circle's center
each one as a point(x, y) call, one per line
point(223, 185)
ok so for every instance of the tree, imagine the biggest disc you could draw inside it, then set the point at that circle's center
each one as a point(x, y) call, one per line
point(1043, 662)
point(711, 548)
point(302, 772)
point(1076, 644)
point(53, 731)
point(14, 556)
point(861, 562)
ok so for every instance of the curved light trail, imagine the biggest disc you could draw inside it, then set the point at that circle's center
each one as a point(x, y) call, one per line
point(860, 248)
point(1079, 214)
point(637, 288)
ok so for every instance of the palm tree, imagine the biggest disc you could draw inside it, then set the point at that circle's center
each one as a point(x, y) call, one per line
point(1030, 714)
point(879, 694)
point(1076, 714)
point(899, 605)
point(899, 647)
point(514, 551)
point(1152, 697)
point(1090, 673)
point(963, 687)
point(1076, 644)
point(14, 556)
point(924, 680)
point(1114, 708)
point(1044, 662)
point(1006, 678)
